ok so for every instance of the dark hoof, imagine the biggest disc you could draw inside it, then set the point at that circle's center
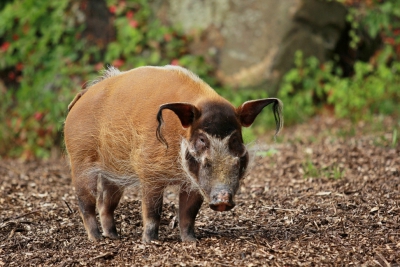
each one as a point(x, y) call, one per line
point(113, 236)
point(95, 237)
point(189, 239)
point(147, 239)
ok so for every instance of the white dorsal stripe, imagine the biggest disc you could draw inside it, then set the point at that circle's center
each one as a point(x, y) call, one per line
point(112, 71)
point(184, 71)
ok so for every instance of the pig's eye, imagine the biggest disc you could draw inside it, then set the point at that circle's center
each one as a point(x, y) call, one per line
point(207, 163)
point(236, 146)
point(201, 143)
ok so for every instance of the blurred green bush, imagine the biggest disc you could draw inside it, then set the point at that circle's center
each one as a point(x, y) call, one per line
point(45, 60)
point(313, 87)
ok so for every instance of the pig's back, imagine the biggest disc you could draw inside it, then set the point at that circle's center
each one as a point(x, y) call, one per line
point(114, 123)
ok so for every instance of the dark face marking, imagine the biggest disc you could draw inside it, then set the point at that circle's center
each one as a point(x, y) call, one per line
point(193, 164)
point(236, 145)
point(215, 154)
point(218, 119)
point(243, 162)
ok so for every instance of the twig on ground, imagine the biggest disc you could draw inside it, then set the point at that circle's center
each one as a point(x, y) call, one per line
point(66, 203)
point(20, 216)
point(274, 208)
point(383, 259)
point(106, 255)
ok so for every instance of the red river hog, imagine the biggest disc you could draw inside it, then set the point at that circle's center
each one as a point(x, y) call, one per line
point(153, 127)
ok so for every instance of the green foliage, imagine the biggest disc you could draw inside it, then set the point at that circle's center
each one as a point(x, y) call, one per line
point(372, 90)
point(311, 87)
point(354, 37)
point(335, 173)
point(395, 138)
point(40, 55)
point(383, 17)
point(330, 172)
point(44, 61)
point(310, 170)
point(302, 86)
point(378, 18)
point(267, 153)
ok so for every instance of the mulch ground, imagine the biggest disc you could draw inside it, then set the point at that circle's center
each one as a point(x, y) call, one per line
point(327, 193)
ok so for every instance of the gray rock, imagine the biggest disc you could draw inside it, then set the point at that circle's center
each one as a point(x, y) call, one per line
point(253, 42)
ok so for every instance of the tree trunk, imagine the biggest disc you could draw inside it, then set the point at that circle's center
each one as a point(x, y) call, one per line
point(99, 30)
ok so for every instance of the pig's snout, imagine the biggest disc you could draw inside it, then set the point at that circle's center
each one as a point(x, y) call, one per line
point(222, 201)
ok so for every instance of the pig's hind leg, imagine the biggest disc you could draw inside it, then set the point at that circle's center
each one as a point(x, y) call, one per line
point(86, 190)
point(152, 201)
point(109, 195)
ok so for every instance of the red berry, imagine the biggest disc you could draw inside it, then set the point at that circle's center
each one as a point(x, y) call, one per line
point(167, 37)
point(19, 66)
point(112, 9)
point(118, 63)
point(175, 62)
point(5, 46)
point(129, 14)
point(133, 23)
point(38, 116)
point(98, 66)
point(11, 75)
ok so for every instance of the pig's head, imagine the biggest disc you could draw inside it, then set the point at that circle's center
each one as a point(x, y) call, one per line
point(213, 155)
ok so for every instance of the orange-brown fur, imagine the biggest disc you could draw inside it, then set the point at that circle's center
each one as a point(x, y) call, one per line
point(109, 130)
point(124, 121)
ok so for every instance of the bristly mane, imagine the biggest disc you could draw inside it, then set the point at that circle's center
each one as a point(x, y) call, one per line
point(110, 71)
point(184, 71)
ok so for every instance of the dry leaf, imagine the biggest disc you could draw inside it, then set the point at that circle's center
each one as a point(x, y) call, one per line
point(323, 193)
point(374, 209)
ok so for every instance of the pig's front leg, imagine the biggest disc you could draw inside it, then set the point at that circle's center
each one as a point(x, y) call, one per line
point(189, 205)
point(152, 201)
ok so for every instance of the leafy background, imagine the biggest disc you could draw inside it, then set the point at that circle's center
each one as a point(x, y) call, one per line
point(46, 56)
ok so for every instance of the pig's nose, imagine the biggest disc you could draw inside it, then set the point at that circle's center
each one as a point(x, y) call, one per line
point(222, 201)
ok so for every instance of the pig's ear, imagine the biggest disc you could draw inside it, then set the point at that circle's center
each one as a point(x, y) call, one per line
point(186, 113)
point(249, 110)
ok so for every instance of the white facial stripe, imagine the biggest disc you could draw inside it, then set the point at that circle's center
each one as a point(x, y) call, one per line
point(223, 162)
point(223, 169)
point(219, 147)
point(194, 185)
